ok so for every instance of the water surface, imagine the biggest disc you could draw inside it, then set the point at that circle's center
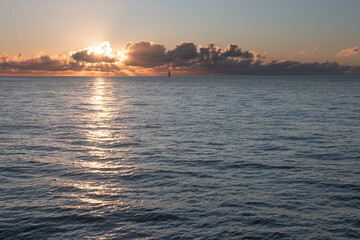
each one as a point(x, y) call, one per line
point(180, 158)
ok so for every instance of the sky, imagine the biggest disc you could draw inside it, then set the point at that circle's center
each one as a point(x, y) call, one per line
point(297, 32)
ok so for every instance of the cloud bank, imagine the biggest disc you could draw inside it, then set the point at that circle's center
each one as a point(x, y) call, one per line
point(48, 65)
point(187, 58)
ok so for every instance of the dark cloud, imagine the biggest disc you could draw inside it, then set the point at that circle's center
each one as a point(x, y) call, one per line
point(183, 54)
point(210, 54)
point(212, 60)
point(184, 51)
point(287, 67)
point(187, 54)
point(215, 54)
point(234, 51)
point(145, 54)
point(45, 63)
point(297, 68)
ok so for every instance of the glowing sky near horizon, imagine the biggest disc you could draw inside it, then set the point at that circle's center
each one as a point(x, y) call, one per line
point(302, 30)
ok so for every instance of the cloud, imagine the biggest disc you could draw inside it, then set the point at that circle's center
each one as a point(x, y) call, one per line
point(183, 54)
point(213, 60)
point(147, 58)
point(213, 54)
point(101, 59)
point(288, 67)
point(44, 62)
point(145, 54)
point(102, 53)
point(184, 51)
point(348, 52)
point(85, 56)
point(52, 65)
point(234, 51)
point(150, 55)
point(301, 52)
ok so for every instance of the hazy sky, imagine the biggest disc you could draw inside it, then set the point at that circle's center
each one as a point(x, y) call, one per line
point(301, 30)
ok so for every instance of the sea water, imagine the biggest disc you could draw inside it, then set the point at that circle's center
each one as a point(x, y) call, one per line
point(180, 157)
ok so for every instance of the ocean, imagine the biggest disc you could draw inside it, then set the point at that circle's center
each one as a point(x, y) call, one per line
point(180, 157)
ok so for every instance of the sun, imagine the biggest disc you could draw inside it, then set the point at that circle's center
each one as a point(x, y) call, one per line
point(103, 49)
point(103, 53)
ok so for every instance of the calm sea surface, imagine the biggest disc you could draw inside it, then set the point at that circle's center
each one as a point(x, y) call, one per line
point(180, 158)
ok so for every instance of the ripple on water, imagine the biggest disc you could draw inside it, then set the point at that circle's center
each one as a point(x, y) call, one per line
point(185, 158)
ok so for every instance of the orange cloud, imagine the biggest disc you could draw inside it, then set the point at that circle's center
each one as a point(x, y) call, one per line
point(301, 52)
point(348, 52)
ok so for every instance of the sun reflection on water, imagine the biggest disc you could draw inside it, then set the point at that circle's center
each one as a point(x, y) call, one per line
point(102, 161)
point(102, 113)
point(100, 120)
